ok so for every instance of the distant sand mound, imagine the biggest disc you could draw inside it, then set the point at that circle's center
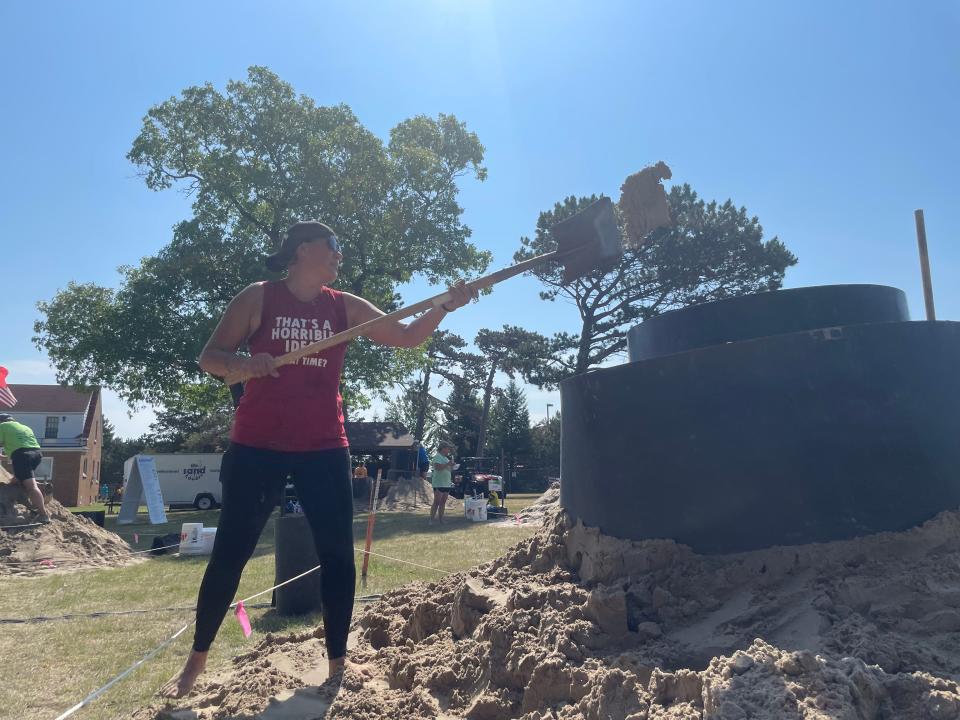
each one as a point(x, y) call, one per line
point(67, 543)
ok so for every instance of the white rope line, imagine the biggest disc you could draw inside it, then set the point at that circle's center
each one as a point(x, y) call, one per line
point(23, 525)
point(72, 560)
point(405, 562)
point(99, 691)
point(279, 585)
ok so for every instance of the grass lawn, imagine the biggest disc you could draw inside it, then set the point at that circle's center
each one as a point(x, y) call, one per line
point(52, 665)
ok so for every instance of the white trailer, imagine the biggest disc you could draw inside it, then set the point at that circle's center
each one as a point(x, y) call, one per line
point(186, 479)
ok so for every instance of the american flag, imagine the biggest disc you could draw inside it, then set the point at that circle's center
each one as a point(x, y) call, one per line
point(7, 397)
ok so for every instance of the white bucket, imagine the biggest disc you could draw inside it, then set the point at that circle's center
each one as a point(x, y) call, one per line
point(209, 535)
point(191, 539)
point(475, 509)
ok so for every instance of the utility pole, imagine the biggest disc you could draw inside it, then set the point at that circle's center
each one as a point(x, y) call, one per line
point(549, 405)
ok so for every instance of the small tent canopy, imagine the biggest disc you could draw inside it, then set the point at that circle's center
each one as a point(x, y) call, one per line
point(378, 438)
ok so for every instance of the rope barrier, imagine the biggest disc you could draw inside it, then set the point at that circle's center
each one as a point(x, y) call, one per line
point(22, 525)
point(100, 691)
point(405, 562)
point(72, 560)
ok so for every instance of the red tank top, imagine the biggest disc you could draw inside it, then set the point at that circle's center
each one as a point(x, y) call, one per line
point(301, 410)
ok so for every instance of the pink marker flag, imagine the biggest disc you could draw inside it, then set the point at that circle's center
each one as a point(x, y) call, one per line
point(241, 613)
point(47, 561)
point(517, 518)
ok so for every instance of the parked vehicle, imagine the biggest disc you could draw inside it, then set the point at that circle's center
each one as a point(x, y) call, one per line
point(186, 479)
point(477, 476)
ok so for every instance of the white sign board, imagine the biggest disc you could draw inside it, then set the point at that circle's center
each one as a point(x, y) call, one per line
point(143, 485)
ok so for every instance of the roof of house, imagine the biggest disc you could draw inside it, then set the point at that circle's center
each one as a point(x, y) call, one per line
point(50, 398)
point(56, 399)
point(374, 437)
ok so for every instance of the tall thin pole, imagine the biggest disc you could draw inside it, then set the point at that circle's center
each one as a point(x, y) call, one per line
point(925, 265)
point(371, 518)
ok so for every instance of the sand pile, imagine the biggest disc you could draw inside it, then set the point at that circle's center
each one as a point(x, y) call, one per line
point(573, 624)
point(546, 504)
point(68, 542)
point(412, 493)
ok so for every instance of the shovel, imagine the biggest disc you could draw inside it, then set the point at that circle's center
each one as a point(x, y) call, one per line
point(586, 242)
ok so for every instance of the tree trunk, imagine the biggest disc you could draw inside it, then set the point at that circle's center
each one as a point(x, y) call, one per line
point(487, 393)
point(583, 349)
point(422, 405)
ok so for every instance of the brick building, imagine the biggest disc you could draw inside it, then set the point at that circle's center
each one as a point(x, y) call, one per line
point(68, 424)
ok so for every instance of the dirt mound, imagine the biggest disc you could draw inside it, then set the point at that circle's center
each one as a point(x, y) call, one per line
point(412, 494)
point(574, 624)
point(69, 542)
point(546, 504)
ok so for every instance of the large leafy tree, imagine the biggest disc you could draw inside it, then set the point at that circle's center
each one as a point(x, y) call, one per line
point(197, 419)
point(511, 351)
point(254, 158)
point(461, 419)
point(511, 424)
point(114, 453)
point(545, 446)
point(445, 360)
point(712, 251)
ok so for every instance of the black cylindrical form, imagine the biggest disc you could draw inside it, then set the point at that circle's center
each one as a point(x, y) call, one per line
point(797, 438)
point(765, 314)
point(295, 553)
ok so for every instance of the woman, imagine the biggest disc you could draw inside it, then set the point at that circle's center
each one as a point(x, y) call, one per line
point(290, 423)
point(441, 480)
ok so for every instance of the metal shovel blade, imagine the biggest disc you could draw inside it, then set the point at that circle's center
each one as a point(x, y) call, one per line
point(589, 241)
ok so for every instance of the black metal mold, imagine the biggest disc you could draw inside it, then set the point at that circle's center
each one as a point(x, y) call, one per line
point(295, 553)
point(765, 314)
point(798, 438)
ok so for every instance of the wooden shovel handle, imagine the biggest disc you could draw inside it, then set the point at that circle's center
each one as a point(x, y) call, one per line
point(481, 283)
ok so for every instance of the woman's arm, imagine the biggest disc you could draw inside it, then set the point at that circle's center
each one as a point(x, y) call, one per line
point(400, 334)
point(240, 320)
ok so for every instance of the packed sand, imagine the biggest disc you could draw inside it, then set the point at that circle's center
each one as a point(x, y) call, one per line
point(411, 493)
point(574, 624)
point(536, 513)
point(68, 543)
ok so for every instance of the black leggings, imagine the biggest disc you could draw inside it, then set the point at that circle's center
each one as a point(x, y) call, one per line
point(253, 480)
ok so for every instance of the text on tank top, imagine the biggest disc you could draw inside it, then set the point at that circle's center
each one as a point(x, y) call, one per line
point(302, 409)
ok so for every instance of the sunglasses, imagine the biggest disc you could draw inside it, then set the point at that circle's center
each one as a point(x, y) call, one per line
point(333, 242)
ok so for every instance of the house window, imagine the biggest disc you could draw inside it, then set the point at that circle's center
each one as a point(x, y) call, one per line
point(84, 467)
point(53, 427)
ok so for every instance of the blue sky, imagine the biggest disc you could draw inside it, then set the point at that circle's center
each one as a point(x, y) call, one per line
point(830, 121)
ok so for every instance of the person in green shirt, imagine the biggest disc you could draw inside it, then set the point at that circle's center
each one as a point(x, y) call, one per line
point(441, 479)
point(21, 446)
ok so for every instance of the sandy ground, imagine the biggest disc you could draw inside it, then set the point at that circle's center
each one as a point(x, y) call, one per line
point(573, 624)
point(68, 543)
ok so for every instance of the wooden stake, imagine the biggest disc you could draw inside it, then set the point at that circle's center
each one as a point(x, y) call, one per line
point(925, 265)
point(371, 518)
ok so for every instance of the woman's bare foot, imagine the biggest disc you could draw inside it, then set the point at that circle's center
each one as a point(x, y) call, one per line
point(183, 683)
point(336, 666)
